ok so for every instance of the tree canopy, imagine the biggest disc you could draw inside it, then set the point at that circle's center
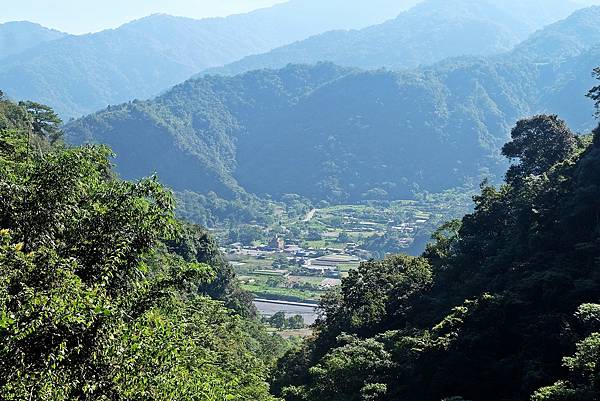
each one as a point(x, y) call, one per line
point(104, 295)
point(594, 93)
point(538, 143)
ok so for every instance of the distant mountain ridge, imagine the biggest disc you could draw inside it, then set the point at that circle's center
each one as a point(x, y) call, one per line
point(17, 37)
point(573, 34)
point(430, 32)
point(80, 74)
point(336, 133)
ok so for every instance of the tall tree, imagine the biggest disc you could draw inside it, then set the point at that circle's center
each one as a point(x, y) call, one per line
point(538, 143)
point(45, 122)
point(594, 93)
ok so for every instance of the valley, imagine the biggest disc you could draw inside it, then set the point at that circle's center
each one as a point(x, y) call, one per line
point(318, 200)
point(305, 251)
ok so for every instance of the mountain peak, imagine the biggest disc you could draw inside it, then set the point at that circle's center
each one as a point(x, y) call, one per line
point(19, 36)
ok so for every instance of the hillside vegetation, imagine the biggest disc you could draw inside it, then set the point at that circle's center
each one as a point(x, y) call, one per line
point(340, 134)
point(104, 294)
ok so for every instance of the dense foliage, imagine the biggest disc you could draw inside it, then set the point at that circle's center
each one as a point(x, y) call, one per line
point(103, 294)
point(210, 210)
point(337, 134)
point(490, 309)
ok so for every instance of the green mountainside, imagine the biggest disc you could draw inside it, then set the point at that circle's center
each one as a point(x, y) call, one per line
point(81, 74)
point(327, 132)
point(431, 31)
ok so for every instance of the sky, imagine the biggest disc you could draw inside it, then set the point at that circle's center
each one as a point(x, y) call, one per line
point(83, 16)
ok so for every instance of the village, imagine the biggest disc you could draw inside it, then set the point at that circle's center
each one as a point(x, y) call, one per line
point(299, 258)
point(288, 271)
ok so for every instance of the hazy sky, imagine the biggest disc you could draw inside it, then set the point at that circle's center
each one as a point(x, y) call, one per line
point(82, 16)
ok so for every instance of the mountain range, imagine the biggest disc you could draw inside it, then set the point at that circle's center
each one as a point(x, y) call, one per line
point(80, 74)
point(343, 134)
point(427, 33)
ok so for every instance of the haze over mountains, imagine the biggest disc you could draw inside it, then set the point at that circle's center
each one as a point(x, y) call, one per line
point(80, 74)
point(341, 134)
point(429, 32)
point(17, 37)
point(362, 134)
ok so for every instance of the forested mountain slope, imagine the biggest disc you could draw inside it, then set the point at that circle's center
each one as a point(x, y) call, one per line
point(334, 133)
point(491, 308)
point(429, 32)
point(81, 74)
point(17, 37)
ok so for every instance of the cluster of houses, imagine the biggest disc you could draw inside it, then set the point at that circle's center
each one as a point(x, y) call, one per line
point(406, 230)
point(326, 262)
point(324, 266)
point(322, 262)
